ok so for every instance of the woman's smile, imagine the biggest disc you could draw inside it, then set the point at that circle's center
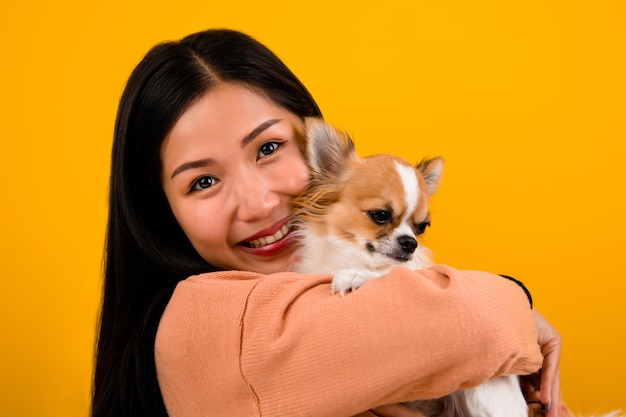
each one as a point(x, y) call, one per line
point(266, 238)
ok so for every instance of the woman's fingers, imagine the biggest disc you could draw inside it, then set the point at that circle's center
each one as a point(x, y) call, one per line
point(551, 344)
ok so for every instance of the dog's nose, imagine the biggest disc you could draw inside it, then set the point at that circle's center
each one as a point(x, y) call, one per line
point(408, 243)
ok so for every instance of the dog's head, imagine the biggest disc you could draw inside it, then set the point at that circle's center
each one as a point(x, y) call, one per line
point(377, 204)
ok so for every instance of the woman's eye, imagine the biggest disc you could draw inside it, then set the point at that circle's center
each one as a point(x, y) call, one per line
point(203, 183)
point(268, 148)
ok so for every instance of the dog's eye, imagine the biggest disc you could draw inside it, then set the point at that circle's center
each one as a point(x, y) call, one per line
point(421, 228)
point(380, 216)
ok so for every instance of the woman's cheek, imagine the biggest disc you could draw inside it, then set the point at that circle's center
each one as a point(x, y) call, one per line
point(303, 175)
point(204, 223)
point(301, 181)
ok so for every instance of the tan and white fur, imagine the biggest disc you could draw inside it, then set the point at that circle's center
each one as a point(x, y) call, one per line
point(361, 217)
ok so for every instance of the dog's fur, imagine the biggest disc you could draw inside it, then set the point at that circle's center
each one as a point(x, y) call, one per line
point(347, 221)
point(358, 219)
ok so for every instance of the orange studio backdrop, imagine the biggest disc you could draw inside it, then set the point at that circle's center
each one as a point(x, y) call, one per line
point(525, 100)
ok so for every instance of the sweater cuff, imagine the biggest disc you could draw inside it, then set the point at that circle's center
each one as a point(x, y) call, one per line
point(521, 284)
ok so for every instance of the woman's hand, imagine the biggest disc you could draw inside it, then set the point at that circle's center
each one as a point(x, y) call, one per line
point(543, 389)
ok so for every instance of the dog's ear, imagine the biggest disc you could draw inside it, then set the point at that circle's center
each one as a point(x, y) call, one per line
point(328, 149)
point(431, 170)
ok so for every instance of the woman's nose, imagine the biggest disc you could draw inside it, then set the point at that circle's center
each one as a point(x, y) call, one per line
point(256, 200)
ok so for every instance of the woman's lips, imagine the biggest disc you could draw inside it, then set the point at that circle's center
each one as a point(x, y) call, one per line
point(269, 239)
point(271, 244)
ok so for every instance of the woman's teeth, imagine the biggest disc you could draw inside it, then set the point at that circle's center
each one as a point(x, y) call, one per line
point(266, 240)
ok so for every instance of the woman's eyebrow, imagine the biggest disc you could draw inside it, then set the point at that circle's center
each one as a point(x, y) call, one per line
point(192, 164)
point(257, 131)
point(208, 161)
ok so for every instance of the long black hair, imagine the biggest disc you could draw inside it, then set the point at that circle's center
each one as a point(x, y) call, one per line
point(147, 253)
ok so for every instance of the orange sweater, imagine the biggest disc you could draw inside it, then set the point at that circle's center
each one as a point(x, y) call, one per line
point(245, 344)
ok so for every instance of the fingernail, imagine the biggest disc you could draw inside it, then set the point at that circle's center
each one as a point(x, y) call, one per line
point(548, 407)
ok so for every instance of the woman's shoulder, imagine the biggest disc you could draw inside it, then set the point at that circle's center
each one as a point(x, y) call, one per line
point(202, 297)
point(233, 276)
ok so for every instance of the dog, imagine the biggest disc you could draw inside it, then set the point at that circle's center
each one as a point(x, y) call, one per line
point(361, 217)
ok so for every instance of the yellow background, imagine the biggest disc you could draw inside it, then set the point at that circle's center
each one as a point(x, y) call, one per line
point(526, 100)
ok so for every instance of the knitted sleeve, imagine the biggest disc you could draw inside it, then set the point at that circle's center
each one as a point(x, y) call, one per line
point(244, 344)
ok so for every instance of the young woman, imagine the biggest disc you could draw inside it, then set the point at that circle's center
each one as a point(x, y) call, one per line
point(199, 316)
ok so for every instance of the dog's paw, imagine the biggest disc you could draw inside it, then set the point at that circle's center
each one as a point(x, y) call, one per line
point(348, 280)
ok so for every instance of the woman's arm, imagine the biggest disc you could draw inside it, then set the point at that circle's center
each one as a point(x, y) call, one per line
point(247, 344)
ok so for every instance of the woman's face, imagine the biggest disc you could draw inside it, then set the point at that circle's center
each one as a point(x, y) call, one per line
point(231, 165)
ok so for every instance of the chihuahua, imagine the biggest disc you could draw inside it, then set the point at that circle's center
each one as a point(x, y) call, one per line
point(361, 217)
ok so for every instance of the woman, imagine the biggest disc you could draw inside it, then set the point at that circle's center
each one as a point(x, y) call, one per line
point(206, 158)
